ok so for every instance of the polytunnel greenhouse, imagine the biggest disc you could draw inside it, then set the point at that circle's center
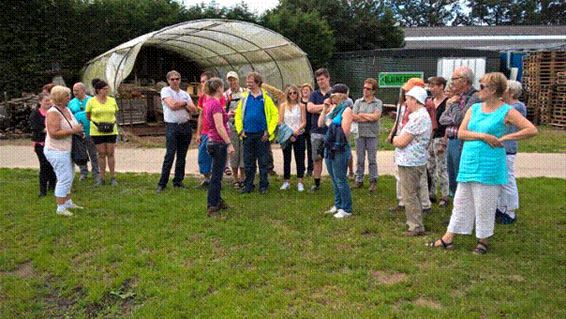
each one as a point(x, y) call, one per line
point(194, 46)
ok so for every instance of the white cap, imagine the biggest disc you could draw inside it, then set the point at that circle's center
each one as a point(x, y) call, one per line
point(232, 74)
point(418, 93)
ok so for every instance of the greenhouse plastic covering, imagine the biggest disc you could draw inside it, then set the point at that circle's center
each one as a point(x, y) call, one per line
point(217, 45)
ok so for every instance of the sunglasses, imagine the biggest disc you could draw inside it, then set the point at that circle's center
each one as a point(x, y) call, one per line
point(456, 78)
point(369, 89)
point(174, 79)
point(294, 93)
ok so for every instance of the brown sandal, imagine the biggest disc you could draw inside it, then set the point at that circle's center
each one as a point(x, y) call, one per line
point(481, 248)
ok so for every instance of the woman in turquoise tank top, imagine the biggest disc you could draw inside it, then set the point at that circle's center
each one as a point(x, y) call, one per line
point(483, 166)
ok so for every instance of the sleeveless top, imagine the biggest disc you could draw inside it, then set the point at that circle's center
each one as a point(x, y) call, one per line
point(292, 117)
point(61, 144)
point(480, 162)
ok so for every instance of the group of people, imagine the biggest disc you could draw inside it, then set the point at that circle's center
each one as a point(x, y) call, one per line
point(454, 137)
point(53, 124)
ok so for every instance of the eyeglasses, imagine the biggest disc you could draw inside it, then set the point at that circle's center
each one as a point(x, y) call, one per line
point(456, 78)
point(174, 79)
point(293, 93)
point(369, 89)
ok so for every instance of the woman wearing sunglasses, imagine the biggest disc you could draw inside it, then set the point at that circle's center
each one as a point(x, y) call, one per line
point(294, 115)
point(483, 168)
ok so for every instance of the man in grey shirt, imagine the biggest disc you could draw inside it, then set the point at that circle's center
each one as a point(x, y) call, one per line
point(366, 113)
point(462, 82)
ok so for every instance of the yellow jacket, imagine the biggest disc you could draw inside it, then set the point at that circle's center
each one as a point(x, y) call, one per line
point(271, 114)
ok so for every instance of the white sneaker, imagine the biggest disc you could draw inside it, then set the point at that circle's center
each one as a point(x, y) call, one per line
point(342, 214)
point(300, 187)
point(74, 206)
point(332, 210)
point(64, 213)
point(285, 186)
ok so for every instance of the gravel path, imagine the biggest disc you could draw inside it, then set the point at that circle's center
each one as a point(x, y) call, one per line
point(149, 160)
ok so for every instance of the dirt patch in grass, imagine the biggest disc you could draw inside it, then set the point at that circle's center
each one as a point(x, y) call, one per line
point(389, 278)
point(59, 306)
point(429, 303)
point(124, 298)
point(23, 270)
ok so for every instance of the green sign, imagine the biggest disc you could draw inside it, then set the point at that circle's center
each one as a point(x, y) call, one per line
point(396, 79)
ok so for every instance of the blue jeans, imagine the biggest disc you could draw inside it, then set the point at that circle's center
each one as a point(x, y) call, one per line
point(338, 170)
point(453, 159)
point(178, 137)
point(218, 152)
point(204, 159)
point(255, 150)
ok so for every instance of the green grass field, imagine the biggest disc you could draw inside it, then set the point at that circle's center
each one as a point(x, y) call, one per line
point(134, 254)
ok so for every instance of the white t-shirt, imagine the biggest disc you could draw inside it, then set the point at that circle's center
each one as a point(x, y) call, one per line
point(177, 116)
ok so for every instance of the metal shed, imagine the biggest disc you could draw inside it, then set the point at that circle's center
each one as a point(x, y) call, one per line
point(353, 68)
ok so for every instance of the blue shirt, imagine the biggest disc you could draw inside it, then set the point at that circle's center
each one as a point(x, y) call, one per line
point(254, 116)
point(480, 162)
point(78, 108)
point(511, 146)
point(317, 98)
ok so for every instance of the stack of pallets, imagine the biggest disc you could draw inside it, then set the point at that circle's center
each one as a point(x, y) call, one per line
point(542, 72)
point(558, 117)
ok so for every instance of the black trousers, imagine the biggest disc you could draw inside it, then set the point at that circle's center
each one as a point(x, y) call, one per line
point(178, 137)
point(47, 178)
point(219, 154)
point(299, 147)
point(310, 165)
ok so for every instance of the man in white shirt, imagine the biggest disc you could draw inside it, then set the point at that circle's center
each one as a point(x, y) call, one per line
point(177, 106)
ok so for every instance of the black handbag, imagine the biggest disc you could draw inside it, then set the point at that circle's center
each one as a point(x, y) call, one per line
point(104, 127)
point(79, 153)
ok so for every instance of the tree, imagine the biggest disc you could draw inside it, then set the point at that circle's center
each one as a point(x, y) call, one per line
point(306, 29)
point(513, 12)
point(425, 13)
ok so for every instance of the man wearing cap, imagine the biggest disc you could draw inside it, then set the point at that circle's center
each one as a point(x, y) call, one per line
point(314, 107)
point(177, 106)
point(256, 119)
point(411, 157)
point(461, 82)
point(402, 118)
point(233, 96)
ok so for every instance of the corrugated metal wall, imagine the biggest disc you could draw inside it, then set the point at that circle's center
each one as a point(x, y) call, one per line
point(352, 68)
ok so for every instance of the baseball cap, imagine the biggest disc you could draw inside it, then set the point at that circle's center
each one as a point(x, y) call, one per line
point(418, 93)
point(339, 88)
point(412, 82)
point(232, 74)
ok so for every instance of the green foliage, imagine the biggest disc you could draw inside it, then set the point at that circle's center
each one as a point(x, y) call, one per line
point(134, 254)
point(425, 13)
point(306, 29)
point(513, 12)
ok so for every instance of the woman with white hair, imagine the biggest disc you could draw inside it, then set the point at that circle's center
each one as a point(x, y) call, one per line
point(61, 125)
point(509, 198)
point(411, 157)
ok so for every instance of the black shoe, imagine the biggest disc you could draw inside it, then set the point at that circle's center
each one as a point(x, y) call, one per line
point(42, 194)
point(432, 199)
point(309, 173)
point(263, 191)
point(244, 190)
point(182, 186)
point(427, 211)
point(159, 189)
point(314, 189)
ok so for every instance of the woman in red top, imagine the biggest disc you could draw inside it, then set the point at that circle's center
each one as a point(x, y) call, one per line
point(219, 144)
